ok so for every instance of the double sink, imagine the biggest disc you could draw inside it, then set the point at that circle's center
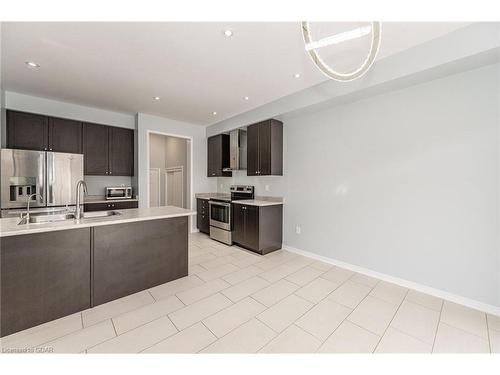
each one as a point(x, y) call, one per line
point(41, 218)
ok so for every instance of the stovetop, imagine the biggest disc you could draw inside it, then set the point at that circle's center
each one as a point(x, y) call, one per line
point(238, 192)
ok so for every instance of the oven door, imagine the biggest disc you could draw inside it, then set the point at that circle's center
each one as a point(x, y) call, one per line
point(220, 214)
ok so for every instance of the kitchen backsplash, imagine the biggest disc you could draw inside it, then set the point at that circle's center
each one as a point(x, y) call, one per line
point(272, 186)
point(96, 184)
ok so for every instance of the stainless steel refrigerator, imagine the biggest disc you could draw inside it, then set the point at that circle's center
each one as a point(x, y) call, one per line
point(51, 174)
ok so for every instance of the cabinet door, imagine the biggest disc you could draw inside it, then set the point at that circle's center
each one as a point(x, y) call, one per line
point(124, 205)
point(253, 150)
point(218, 156)
point(95, 148)
point(252, 227)
point(264, 148)
point(89, 207)
point(65, 135)
point(27, 131)
point(121, 152)
point(211, 156)
point(44, 276)
point(238, 228)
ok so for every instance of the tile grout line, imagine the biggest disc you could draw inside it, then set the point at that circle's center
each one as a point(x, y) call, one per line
point(437, 327)
point(114, 328)
point(396, 312)
point(488, 331)
point(352, 310)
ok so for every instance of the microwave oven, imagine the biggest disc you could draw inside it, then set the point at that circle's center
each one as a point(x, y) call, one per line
point(118, 192)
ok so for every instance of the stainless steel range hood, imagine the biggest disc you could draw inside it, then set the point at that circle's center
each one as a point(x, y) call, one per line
point(238, 150)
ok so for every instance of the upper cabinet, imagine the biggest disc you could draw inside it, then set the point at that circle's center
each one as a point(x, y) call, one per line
point(218, 156)
point(265, 148)
point(121, 151)
point(65, 135)
point(27, 131)
point(95, 149)
point(108, 150)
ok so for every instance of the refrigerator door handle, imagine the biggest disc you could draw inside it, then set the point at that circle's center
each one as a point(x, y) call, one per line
point(42, 178)
point(50, 178)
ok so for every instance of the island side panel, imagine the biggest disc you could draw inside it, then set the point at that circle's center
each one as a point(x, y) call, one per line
point(44, 276)
point(131, 257)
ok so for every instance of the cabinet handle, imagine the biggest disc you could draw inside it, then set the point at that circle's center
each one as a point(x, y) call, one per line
point(109, 172)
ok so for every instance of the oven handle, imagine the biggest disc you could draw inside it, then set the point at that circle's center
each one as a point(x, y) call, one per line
point(224, 204)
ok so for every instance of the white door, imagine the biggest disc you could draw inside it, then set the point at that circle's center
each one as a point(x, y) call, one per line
point(174, 186)
point(154, 187)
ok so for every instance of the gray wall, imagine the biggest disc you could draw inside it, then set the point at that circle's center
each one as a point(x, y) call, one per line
point(405, 183)
point(167, 152)
point(96, 184)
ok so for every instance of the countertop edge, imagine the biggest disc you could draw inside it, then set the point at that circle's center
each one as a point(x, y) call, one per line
point(79, 225)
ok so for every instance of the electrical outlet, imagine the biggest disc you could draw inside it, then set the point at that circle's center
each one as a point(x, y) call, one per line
point(297, 229)
point(267, 187)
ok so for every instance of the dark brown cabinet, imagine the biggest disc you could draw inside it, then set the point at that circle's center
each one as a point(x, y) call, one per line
point(258, 228)
point(121, 151)
point(108, 150)
point(105, 206)
point(136, 256)
point(44, 276)
point(218, 156)
point(202, 215)
point(27, 131)
point(65, 135)
point(265, 148)
point(95, 149)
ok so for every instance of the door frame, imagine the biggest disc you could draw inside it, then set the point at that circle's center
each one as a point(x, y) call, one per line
point(159, 184)
point(174, 169)
point(190, 144)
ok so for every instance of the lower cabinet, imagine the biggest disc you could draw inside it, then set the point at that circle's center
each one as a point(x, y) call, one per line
point(44, 276)
point(88, 207)
point(202, 215)
point(131, 257)
point(258, 228)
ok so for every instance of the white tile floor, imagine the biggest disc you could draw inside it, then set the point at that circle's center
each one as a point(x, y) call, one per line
point(234, 301)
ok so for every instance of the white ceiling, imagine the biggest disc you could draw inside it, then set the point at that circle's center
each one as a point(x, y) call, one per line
point(191, 66)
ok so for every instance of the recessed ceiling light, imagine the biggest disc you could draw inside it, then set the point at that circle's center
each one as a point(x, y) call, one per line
point(214, 113)
point(228, 33)
point(297, 75)
point(156, 97)
point(32, 64)
point(246, 98)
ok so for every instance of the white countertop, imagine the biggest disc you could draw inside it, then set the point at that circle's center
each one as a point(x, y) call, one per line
point(99, 199)
point(257, 202)
point(10, 227)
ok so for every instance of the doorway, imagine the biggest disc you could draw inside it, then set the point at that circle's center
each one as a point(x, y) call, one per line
point(169, 170)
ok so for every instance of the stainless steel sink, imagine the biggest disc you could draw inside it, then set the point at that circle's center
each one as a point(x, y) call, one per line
point(40, 219)
point(96, 214)
point(62, 216)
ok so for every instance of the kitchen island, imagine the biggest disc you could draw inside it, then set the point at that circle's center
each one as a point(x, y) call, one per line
point(55, 269)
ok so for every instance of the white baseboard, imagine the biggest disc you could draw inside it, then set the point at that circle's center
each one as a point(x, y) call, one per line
point(194, 230)
point(481, 306)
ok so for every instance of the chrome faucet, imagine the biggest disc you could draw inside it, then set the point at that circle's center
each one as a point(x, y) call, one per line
point(79, 209)
point(27, 216)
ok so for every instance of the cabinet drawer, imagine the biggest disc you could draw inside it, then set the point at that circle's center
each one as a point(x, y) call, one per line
point(88, 207)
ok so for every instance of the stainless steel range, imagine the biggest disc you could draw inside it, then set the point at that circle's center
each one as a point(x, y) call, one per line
point(221, 212)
